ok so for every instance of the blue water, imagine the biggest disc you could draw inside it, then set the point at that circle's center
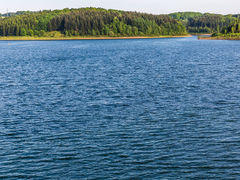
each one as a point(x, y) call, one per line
point(120, 109)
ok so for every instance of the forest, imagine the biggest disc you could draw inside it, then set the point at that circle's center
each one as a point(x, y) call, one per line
point(230, 32)
point(113, 23)
point(196, 22)
point(233, 28)
point(89, 22)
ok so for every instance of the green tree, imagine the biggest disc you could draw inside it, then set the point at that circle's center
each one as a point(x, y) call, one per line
point(135, 31)
point(23, 32)
point(30, 32)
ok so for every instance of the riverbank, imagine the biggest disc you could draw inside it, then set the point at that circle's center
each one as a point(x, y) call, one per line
point(29, 38)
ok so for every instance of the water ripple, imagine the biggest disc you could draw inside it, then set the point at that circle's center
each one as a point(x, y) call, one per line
point(120, 109)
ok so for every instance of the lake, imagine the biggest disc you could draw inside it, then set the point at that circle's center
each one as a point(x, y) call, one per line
point(120, 109)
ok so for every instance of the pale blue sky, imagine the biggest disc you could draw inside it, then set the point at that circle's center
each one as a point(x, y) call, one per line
point(150, 6)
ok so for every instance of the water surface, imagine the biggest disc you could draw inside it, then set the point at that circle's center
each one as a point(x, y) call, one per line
point(120, 109)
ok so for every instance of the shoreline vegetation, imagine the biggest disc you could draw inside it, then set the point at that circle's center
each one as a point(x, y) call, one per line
point(31, 38)
point(204, 23)
point(231, 32)
point(219, 38)
point(87, 23)
point(99, 23)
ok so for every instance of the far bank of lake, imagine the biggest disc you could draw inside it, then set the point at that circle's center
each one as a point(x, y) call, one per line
point(30, 38)
point(218, 38)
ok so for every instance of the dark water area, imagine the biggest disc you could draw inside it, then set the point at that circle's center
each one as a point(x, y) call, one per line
point(120, 109)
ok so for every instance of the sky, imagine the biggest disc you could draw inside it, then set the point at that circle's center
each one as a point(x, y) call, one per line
point(149, 6)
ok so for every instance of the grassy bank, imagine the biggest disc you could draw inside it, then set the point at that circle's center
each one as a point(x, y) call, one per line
point(29, 38)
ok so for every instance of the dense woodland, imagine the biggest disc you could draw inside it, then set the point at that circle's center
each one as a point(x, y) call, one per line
point(231, 31)
point(89, 22)
point(204, 23)
point(184, 16)
point(233, 28)
point(101, 22)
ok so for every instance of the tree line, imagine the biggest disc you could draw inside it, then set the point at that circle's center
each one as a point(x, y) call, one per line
point(233, 28)
point(90, 22)
point(101, 22)
point(204, 23)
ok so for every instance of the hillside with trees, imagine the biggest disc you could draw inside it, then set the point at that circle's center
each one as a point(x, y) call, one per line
point(233, 28)
point(90, 22)
point(184, 16)
point(231, 32)
point(204, 23)
point(112, 23)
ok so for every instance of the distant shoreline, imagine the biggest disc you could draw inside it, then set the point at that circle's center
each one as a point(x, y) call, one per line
point(24, 38)
point(219, 38)
point(200, 34)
